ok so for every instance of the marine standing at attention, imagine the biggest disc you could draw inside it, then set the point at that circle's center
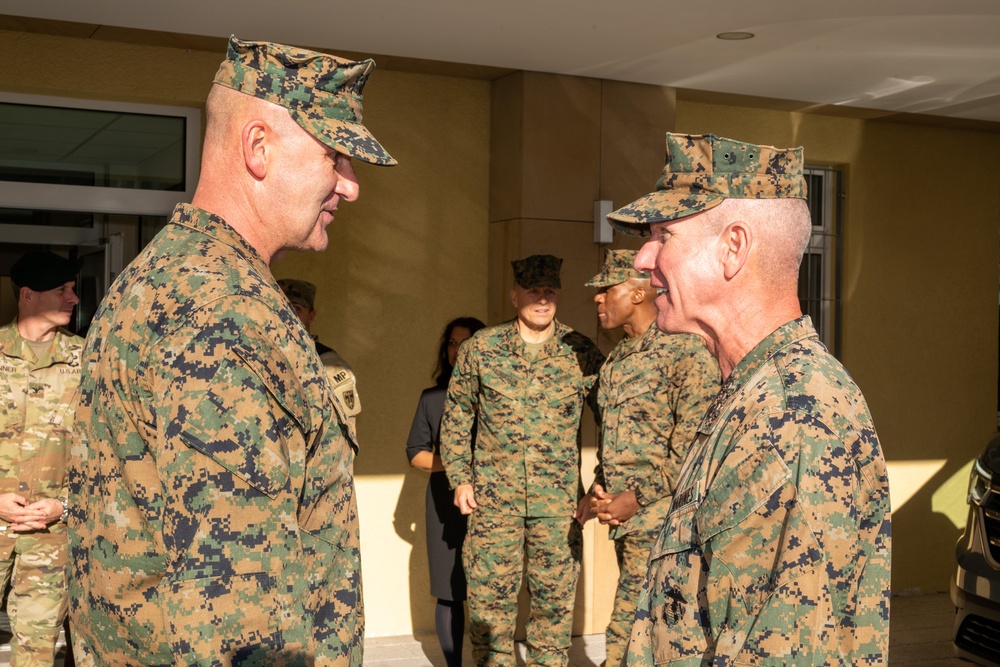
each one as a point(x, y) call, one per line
point(522, 384)
point(213, 516)
point(39, 380)
point(775, 551)
point(654, 388)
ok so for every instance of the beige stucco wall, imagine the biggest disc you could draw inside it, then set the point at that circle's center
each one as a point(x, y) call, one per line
point(920, 274)
point(920, 259)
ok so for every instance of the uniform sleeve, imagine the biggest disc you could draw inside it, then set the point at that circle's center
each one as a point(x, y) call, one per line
point(691, 381)
point(599, 468)
point(592, 361)
point(459, 417)
point(235, 423)
point(421, 439)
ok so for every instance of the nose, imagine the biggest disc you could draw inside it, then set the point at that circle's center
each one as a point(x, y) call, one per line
point(347, 181)
point(72, 298)
point(599, 297)
point(645, 259)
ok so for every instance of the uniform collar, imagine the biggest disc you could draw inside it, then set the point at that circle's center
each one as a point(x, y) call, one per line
point(13, 345)
point(755, 360)
point(514, 344)
point(214, 226)
point(626, 346)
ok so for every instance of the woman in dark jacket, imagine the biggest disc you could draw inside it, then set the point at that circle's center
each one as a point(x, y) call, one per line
point(445, 524)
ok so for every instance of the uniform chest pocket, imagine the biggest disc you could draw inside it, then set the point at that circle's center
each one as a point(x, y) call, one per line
point(746, 481)
point(676, 617)
point(61, 412)
point(500, 387)
point(562, 395)
point(751, 525)
point(633, 388)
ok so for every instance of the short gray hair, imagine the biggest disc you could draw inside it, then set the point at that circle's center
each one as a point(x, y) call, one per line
point(782, 228)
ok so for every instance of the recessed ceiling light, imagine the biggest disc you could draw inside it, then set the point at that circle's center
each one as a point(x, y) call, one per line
point(733, 36)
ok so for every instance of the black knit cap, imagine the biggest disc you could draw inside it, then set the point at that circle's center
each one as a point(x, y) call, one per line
point(43, 270)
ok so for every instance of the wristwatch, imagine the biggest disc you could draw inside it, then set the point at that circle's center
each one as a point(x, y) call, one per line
point(65, 514)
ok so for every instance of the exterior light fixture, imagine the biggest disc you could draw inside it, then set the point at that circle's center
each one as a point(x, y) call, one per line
point(734, 36)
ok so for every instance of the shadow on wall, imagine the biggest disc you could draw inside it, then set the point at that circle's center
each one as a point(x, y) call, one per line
point(409, 522)
point(919, 526)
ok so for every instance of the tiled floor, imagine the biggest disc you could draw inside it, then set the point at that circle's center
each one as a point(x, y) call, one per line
point(920, 632)
point(920, 637)
point(422, 650)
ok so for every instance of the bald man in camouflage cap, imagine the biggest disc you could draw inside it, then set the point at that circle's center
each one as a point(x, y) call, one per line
point(302, 295)
point(776, 547)
point(520, 387)
point(212, 510)
point(654, 388)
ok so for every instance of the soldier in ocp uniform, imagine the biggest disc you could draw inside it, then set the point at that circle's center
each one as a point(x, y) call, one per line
point(213, 516)
point(39, 380)
point(654, 388)
point(522, 384)
point(775, 550)
point(302, 295)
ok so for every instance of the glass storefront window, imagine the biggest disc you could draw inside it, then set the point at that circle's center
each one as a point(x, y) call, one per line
point(61, 154)
point(115, 149)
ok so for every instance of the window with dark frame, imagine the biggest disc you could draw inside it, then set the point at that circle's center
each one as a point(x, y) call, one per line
point(819, 274)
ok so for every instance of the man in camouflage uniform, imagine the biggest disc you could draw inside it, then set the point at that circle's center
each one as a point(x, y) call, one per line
point(654, 388)
point(39, 379)
point(522, 385)
point(213, 517)
point(302, 295)
point(775, 550)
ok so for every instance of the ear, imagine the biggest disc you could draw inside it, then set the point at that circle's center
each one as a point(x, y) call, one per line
point(513, 299)
point(638, 295)
point(735, 242)
point(254, 140)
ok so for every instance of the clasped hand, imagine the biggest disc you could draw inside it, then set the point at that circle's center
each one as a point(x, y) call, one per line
point(611, 509)
point(23, 516)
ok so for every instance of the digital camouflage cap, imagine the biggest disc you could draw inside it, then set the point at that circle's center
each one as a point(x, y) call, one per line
point(321, 92)
point(702, 170)
point(299, 292)
point(618, 267)
point(537, 271)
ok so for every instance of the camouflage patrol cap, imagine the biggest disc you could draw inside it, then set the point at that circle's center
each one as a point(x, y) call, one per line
point(537, 271)
point(618, 267)
point(321, 92)
point(702, 170)
point(299, 292)
point(42, 270)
